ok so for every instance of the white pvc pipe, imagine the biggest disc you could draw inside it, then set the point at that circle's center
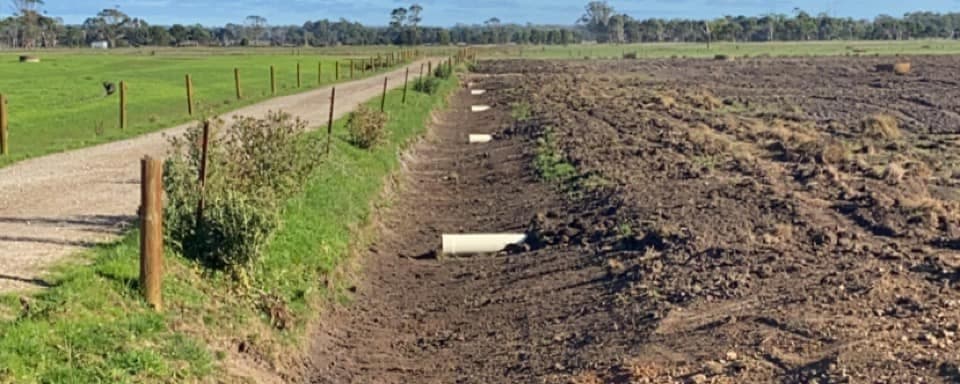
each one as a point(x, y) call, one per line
point(480, 243)
point(479, 139)
point(477, 92)
point(480, 108)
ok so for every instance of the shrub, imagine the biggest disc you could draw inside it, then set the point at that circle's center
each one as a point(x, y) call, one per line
point(442, 71)
point(367, 127)
point(252, 167)
point(428, 85)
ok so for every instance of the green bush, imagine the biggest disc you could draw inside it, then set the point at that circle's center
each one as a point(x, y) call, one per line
point(366, 127)
point(442, 71)
point(428, 85)
point(253, 166)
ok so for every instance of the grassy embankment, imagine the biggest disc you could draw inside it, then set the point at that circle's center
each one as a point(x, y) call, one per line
point(92, 325)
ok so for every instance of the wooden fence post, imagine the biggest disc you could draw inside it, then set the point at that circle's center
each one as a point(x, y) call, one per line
point(337, 71)
point(236, 82)
point(273, 81)
point(298, 74)
point(429, 68)
point(319, 72)
point(333, 99)
point(189, 94)
point(4, 136)
point(202, 177)
point(383, 100)
point(123, 104)
point(406, 77)
point(421, 69)
point(151, 231)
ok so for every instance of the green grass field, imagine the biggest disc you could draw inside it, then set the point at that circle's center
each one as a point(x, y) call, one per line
point(665, 50)
point(60, 103)
point(92, 325)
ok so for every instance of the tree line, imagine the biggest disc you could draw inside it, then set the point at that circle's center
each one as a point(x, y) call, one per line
point(603, 24)
point(30, 27)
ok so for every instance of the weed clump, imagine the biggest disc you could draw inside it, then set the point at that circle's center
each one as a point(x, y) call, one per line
point(366, 127)
point(520, 111)
point(550, 163)
point(443, 71)
point(894, 174)
point(881, 127)
point(252, 168)
point(428, 85)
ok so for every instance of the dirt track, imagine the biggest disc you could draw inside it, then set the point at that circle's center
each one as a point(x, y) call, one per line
point(737, 222)
point(60, 204)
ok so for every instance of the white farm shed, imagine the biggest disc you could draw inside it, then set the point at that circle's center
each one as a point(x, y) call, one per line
point(102, 44)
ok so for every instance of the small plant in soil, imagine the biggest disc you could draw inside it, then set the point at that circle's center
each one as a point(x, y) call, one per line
point(520, 111)
point(550, 162)
point(366, 127)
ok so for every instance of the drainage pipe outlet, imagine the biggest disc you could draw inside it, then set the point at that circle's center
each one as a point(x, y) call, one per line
point(479, 139)
point(480, 243)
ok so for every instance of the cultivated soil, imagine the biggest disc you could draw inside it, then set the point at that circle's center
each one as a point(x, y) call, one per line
point(746, 221)
point(57, 205)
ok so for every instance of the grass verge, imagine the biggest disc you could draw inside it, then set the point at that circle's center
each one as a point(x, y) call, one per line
point(92, 326)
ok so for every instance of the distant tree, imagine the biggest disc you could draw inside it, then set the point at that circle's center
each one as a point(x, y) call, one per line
point(179, 33)
point(257, 24)
point(398, 19)
point(597, 17)
point(615, 28)
point(27, 20)
point(443, 37)
point(159, 36)
point(413, 17)
point(493, 25)
point(109, 24)
point(199, 34)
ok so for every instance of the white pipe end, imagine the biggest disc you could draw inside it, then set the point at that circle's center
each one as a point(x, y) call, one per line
point(479, 138)
point(480, 108)
point(480, 243)
point(477, 92)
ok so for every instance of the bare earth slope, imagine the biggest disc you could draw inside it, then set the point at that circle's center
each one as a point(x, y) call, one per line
point(750, 221)
point(56, 205)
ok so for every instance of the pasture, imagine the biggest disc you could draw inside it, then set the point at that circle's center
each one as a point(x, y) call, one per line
point(60, 103)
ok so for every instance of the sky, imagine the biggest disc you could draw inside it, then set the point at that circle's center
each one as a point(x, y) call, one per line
point(450, 12)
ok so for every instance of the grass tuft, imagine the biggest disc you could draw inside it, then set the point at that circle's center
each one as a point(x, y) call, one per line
point(881, 127)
